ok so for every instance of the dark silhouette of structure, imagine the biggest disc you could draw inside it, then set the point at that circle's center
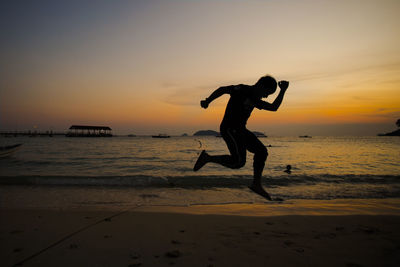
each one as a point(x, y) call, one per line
point(29, 133)
point(89, 131)
point(243, 99)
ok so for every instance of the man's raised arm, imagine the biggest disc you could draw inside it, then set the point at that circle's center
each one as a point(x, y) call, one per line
point(217, 93)
point(278, 100)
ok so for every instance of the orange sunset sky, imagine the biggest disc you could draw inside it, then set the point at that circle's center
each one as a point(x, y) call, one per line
point(143, 66)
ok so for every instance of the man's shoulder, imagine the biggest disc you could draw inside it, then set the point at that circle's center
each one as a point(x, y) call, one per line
point(241, 88)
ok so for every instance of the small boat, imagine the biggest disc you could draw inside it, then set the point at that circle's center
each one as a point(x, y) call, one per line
point(305, 136)
point(161, 136)
point(6, 151)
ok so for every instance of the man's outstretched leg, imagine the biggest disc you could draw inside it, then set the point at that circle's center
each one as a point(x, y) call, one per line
point(201, 161)
point(230, 161)
point(235, 143)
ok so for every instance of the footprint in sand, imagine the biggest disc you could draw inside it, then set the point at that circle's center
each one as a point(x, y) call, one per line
point(173, 254)
point(288, 243)
point(73, 246)
point(135, 256)
point(16, 232)
point(325, 235)
point(368, 230)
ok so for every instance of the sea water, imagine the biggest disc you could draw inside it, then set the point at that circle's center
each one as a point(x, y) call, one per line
point(322, 167)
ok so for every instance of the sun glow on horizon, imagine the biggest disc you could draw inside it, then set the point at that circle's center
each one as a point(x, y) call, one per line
point(145, 66)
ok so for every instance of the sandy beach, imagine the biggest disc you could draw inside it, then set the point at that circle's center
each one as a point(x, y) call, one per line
point(198, 236)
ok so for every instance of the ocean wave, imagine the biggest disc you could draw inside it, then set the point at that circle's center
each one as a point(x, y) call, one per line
point(199, 181)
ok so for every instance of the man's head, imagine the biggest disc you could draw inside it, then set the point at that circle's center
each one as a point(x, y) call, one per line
point(265, 86)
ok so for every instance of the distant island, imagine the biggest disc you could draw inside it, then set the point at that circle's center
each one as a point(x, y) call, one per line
point(394, 133)
point(214, 133)
point(206, 133)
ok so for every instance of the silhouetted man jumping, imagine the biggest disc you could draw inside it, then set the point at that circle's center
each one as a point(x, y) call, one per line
point(244, 98)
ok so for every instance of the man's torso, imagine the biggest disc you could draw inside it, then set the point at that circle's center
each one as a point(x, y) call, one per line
point(239, 107)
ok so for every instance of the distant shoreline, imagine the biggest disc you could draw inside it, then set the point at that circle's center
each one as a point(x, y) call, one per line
point(394, 133)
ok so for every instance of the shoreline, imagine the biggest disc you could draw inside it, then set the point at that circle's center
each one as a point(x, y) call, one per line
point(293, 207)
point(219, 201)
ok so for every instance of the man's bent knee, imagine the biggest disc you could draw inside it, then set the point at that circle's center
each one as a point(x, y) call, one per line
point(239, 164)
point(263, 153)
point(261, 156)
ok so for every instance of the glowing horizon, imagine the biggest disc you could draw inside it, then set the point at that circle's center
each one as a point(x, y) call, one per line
point(144, 67)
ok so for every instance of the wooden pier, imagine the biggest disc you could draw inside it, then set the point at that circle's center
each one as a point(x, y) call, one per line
point(29, 133)
point(89, 131)
point(74, 131)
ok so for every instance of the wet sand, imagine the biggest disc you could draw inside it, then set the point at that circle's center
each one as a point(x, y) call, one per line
point(193, 236)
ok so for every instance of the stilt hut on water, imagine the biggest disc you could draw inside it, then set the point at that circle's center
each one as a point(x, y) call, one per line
point(89, 131)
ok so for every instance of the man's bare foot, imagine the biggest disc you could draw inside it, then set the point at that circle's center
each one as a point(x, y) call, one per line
point(201, 161)
point(260, 191)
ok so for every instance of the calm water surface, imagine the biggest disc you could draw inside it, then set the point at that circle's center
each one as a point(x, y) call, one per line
point(123, 156)
point(322, 167)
